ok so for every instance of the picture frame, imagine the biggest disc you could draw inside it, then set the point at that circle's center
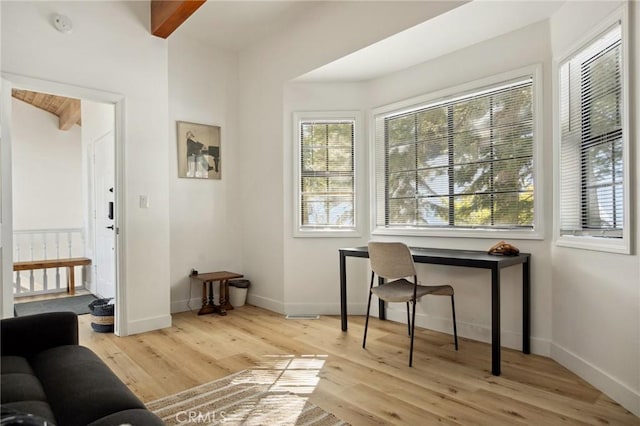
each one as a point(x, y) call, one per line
point(199, 150)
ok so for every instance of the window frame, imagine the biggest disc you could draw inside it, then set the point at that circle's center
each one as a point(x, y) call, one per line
point(328, 231)
point(622, 245)
point(415, 103)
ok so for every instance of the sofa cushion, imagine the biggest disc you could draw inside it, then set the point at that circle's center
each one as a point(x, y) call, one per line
point(15, 364)
point(18, 382)
point(27, 413)
point(21, 387)
point(22, 393)
point(80, 388)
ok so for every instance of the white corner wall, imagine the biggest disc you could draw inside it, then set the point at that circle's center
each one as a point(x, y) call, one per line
point(596, 295)
point(110, 49)
point(264, 69)
point(47, 171)
point(204, 214)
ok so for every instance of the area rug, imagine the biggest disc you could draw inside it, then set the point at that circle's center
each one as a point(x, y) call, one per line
point(250, 397)
point(77, 304)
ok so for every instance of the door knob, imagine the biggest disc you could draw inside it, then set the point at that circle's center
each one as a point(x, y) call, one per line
point(110, 227)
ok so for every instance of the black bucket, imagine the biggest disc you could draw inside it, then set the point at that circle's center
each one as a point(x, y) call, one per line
point(102, 316)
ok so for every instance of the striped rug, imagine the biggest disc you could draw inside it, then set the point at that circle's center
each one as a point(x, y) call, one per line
point(250, 397)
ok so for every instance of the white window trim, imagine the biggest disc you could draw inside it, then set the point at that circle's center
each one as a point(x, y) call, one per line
point(358, 174)
point(612, 245)
point(537, 233)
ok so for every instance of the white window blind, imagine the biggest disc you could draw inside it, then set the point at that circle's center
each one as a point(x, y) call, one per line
point(327, 181)
point(592, 140)
point(464, 162)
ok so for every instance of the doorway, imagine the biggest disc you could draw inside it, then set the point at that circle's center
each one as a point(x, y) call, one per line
point(99, 121)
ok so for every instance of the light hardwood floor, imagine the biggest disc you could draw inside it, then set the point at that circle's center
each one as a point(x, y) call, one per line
point(362, 387)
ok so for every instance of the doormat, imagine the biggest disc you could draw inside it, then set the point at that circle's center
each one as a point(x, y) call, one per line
point(76, 304)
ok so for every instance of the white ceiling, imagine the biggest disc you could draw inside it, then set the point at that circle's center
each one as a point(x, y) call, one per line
point(463, 26)
point(236, 25)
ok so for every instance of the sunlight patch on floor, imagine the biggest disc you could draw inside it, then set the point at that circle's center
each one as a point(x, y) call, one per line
point(290, 380)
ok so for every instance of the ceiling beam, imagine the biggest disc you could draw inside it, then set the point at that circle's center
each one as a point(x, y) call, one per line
point(70, 115)
point(167, 16)
point(67, 110)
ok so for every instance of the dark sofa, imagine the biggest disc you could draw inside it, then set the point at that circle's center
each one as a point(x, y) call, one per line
point(47, 374)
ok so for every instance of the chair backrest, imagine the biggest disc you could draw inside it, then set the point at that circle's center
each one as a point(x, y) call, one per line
point(391, 260)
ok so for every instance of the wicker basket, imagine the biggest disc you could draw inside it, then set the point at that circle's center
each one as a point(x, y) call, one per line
point(102, 315)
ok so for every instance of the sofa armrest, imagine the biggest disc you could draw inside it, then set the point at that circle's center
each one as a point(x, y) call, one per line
point(31, 334)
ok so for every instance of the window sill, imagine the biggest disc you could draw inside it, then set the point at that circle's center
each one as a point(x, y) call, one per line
point(326, 233)
point(610, 245)
point(501, 234)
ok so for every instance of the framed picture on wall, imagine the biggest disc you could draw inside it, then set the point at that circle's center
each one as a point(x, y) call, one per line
point(198, 151)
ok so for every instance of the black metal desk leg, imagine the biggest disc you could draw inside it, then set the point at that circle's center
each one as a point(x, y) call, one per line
point(382, 311)
point(526, 306)
point(495, 321)
point(343, 292)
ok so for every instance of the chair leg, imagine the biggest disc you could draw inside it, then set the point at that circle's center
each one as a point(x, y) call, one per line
point(366, 322)
point(413, 332)
point(455, 329)
point(408, 321)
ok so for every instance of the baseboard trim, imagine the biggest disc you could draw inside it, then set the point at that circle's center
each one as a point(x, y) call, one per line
point(194, 304)
point(609, 385)
point(323, 309)
point(471, 331)
point(185, 305)
point(481, 333)
point(148, 324)
point(266, 303)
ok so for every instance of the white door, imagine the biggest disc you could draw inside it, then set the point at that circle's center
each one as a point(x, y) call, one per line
point(105, 209)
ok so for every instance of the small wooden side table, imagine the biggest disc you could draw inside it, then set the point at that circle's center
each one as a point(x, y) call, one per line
point(208, 304)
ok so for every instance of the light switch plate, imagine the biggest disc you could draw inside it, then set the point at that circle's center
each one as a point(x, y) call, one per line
point(144, 201)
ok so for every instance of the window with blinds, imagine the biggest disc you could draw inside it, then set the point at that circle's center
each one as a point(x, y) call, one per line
point(592, 140)
point(326, 174)
point(463, 162)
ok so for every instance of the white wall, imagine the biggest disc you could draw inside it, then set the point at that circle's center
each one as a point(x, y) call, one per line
point(47, 171)
point(205, 214)
point(264, 69)
point(110, 49)
point(596, 295)
point(311, 268)
point(312, 285)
